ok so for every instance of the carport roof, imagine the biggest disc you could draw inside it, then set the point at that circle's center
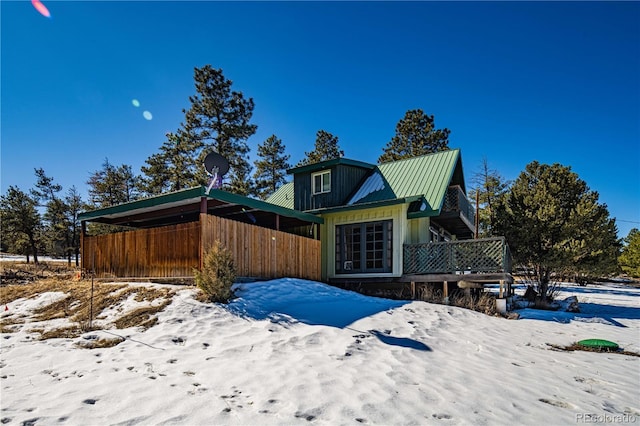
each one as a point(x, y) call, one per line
point(185, 205)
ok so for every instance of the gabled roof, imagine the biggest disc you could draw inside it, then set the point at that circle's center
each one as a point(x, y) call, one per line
point(423, 179)
point(427, 176)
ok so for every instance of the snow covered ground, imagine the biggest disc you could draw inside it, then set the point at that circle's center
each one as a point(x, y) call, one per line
point(291, 351)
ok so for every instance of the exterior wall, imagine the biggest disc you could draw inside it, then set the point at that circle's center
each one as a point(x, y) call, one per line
point(418, 231)
point(344, 180)
point(401, 232)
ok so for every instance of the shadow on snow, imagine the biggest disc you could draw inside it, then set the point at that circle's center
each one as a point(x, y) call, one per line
point(400, 341)
point(589, 312)
point(288, 300)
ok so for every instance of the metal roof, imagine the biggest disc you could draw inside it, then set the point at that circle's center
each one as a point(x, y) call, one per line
point(427, 176)
point(283, 196)
point(185, 205)
point(425, 179)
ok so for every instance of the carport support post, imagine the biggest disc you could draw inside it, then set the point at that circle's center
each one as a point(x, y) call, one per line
point(203, 213)
point(83, 233)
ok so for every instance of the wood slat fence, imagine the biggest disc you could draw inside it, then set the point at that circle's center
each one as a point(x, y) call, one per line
point(262, 252)
point(174, 251)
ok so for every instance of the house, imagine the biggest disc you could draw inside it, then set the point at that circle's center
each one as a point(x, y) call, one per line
point(405, 221)
point(341, 221)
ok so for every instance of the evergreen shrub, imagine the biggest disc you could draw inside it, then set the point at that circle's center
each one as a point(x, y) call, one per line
point(217, 275)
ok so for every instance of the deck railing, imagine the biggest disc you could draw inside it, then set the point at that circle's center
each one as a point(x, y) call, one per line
point(455, 200)
point(476, 256)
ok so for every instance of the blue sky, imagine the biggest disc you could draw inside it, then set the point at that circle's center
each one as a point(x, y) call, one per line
point(513, 81)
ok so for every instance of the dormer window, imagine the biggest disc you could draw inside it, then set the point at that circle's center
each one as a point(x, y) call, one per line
point(321, 182)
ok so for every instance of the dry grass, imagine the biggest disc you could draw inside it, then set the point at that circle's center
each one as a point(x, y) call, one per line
point(99, 343)
point(484, 302)
point(78, 304)
point(19, 272)
point(141, 317)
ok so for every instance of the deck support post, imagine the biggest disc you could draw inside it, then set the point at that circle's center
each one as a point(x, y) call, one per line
point(501, 289)
point(445, 291)
point(413, 290)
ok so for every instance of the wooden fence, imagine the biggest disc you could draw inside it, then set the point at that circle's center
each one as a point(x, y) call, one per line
point(174, 251)
point(262, 252)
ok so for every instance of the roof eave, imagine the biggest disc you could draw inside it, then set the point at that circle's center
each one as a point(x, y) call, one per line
point(192, 195)
point(131, 206)
point(330, 163)
point(370, 205)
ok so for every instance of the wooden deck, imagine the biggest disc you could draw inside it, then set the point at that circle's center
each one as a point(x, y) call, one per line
point(468, 263)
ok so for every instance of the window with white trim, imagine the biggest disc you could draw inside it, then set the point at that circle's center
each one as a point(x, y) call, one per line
point(321, 182)
point(364, 247)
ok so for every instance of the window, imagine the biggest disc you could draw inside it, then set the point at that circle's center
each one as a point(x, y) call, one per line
point(364, 247)
point(321, 182)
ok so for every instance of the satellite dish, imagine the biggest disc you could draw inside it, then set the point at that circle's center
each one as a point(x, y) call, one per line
point(216, 166)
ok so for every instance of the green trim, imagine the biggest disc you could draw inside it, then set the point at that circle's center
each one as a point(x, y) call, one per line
point(425, 213)
point(158, 200)
point(371, 205)
point(193, 195)
point(218, 194)
point(452, 171)
point(330, 163)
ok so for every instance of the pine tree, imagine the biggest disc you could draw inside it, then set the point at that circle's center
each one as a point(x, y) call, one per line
point(270, 167)
point(21, 222)
point(555, 225)
point(630, 257)
point(173, 168)
point(218, 121)
point(326, 148)
point(112, 185)
point(75, 205)
point(415, 135)
point(45, 190)
point(55, 235)
point(490, 187)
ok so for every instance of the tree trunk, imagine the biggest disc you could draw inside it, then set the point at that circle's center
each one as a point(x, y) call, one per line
point(34, 250)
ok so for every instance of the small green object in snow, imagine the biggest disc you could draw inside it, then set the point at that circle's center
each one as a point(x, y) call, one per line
point(600, 344)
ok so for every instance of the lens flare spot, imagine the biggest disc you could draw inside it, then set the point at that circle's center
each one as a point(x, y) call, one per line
point(41, 8)
point(135, 103)
point(147, 115)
